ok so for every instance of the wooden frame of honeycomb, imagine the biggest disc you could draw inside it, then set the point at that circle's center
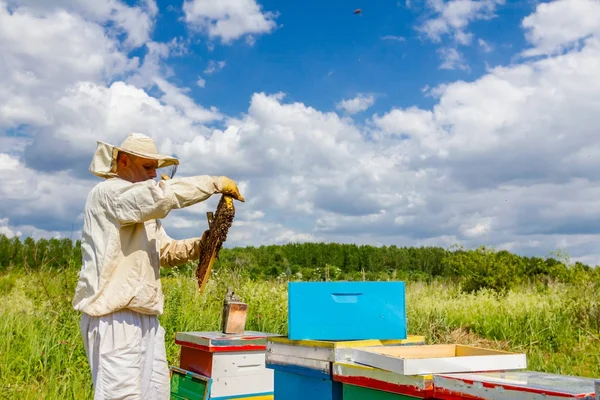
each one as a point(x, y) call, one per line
point(218, 226)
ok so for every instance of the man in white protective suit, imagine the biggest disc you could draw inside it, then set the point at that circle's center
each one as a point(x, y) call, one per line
point(123, 247)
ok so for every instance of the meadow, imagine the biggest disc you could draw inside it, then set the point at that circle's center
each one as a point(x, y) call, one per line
point(557, 324)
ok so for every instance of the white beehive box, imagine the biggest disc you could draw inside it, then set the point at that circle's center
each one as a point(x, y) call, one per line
point(435, 359)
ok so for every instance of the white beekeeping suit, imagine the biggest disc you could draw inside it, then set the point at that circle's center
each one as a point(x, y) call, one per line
point(123, 247)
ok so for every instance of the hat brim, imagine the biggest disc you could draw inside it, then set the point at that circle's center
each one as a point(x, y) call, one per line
point(163, 160)
point(104, 162)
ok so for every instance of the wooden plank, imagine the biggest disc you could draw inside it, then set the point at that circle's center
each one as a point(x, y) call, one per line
point(218, 341)
point(417, 386)
point(431, 359)
point(243, 385)
point(329, 350)
point(416, 352)
point(512, 385)
point(238, 364)
point(323, 367)
point(346, 310)
point(410, 339)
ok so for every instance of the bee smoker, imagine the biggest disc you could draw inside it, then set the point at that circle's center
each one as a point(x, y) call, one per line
point(235, 312)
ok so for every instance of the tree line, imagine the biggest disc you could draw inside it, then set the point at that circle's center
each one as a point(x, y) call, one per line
point(472, 269)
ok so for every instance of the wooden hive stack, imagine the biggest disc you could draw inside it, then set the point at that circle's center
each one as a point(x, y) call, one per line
point(326, 321)
point(219, 366)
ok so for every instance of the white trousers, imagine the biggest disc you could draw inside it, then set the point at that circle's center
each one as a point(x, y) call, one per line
point(126, 353)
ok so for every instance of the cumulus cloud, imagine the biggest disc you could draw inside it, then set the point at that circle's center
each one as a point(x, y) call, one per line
point(41, 55)
point(561, 25)
point(360, 103)
point(6, 231)
point(452, 59)
point(135, 22)
point(454, 16)
point(505, 160)
point(38, 202)
point(448, 26)
point(229, 19)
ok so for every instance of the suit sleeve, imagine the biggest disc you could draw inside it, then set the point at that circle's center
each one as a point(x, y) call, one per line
point(177, 252)
point(143, 201)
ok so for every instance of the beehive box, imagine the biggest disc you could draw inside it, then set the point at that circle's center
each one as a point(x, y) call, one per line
point(301, 384)
point(305, 366)
point(188, 385)
point(329, 350)
point(346, 310)
point(300, 378)
point(214, 354)
point(360, 381)
point(512, 385)
point(233, 364)
point(435, 359)
point(352, 392)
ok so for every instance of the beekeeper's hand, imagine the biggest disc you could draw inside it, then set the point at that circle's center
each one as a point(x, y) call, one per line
point(229, 187)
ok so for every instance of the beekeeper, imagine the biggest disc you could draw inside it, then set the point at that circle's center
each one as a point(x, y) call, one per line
point(123, 246)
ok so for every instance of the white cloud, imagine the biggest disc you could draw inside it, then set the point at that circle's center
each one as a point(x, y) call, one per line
point(505, 160)
point(485, 46)
point(214, 66)
point(454, 16)
point(152, 66)
point(6, 230)
point(452, 59)
point(229, 19)
point(560, 25)
point(175, 97)
point(357, 104)
point(394, 38)
point(43, 54)
point(34, 201)
point(201, 82)
point(136, 22)
point(451, 20)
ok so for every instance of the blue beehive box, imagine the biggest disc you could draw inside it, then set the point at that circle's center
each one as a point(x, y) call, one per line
point(297, 383)
point(346, 310)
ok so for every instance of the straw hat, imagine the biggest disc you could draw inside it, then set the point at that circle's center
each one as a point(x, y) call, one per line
point(104, 162)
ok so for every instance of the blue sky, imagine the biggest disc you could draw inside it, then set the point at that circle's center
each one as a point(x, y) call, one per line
point(322, 52)
point(458, 122)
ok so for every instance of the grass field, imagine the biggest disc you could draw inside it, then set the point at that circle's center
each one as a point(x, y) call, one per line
point(42, 357)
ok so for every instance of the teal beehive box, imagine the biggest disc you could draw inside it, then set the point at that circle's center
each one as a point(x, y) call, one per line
point(346, 311)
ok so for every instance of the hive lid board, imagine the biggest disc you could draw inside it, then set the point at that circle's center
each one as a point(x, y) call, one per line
point(323, 367)
point(348, 372)
point(218, 341)
point(325, 350)
point(436, 359)
point(514, 385)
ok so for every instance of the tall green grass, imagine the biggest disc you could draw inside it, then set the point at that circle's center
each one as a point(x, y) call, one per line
point(42, 356)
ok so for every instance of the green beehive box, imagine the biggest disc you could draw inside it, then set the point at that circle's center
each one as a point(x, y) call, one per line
point(351, 392)
point(187, 385)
